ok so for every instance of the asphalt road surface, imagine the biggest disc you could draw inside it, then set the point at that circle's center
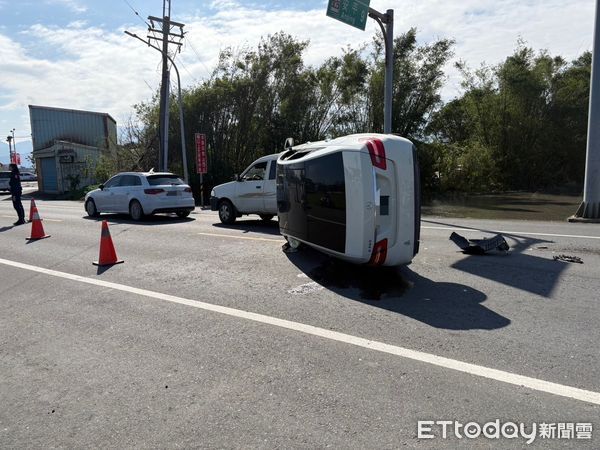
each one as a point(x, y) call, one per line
point(211, 336)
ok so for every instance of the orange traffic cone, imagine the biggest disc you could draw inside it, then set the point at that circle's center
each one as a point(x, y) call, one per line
point(108, 256)
point(37, 229)
point(31, 210)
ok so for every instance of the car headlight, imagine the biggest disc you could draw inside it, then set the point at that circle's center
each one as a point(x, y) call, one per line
point(212, 193)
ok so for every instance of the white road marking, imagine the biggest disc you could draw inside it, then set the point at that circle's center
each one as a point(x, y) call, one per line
point(528, 233)
point(242, 237)
point(306, 288)
point(428, 358)
point(44, 220)
point(39, 204)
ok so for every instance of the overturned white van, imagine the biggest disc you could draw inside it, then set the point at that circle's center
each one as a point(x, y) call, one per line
point(356, 197)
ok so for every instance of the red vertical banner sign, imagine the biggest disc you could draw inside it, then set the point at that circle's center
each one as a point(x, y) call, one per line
point(201, 160)
point(17, 159)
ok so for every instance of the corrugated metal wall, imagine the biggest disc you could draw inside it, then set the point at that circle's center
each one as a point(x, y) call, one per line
point(83, 127)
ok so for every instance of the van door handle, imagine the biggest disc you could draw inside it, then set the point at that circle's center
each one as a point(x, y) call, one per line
point(257, 187)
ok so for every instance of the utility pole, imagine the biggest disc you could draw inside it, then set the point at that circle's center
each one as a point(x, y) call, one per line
point(181, 124)
point(589, 210)
point(165, 32)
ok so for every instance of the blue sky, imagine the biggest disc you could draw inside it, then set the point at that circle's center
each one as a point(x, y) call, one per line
point(73, 53)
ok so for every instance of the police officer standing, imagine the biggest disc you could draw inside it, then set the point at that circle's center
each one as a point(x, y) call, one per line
point(15, 191)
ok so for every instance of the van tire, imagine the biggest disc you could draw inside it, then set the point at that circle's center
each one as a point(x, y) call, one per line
point(266, 217)
point(227, 213)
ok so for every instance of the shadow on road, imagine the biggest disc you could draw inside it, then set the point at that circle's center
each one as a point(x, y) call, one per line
point(529, 273)
point(517, 269)
point(252, 225)
point(155, 219)
point(450, 306)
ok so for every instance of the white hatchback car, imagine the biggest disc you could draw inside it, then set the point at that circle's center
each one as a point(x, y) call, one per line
point(141, 193)
point(4, 179)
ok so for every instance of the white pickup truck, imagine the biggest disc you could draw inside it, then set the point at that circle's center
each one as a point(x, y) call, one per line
point(253, 192)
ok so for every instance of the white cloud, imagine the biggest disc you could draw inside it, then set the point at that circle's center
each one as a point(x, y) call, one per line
point(105, 70)
point(73, 5)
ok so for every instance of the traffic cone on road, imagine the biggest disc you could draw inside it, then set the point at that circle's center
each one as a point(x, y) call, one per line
point(31, 210)
point(37, 229)
point(108, 256)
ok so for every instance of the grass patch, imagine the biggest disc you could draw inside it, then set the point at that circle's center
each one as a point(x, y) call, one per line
point(510, 205)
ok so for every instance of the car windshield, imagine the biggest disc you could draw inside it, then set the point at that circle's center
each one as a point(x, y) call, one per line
point(161, 180)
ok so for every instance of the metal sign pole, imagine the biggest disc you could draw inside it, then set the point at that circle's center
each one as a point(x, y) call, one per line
point(354, 13)
point(389, 71)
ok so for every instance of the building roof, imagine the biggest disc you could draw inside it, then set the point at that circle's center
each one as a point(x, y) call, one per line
point(52, 108)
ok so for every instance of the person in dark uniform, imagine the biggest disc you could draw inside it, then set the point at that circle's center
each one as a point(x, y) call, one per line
point(16, 190)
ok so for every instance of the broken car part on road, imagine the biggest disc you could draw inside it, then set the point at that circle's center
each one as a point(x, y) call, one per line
point(479, 246)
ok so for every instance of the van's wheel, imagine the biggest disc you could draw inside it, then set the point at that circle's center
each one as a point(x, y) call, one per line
point(227, 212)
point(90, 208)
point(182, 214)
point(266, 217)
point(135, 210)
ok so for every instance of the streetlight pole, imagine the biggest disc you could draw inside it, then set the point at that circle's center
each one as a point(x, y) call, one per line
point(14, 146)
point(9, 139)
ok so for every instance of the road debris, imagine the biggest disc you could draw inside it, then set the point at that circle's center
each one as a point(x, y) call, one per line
point(479, 246)
point(568, 258)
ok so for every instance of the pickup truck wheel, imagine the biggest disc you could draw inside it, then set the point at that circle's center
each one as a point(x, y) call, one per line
point(266, 217)
point(227, 213)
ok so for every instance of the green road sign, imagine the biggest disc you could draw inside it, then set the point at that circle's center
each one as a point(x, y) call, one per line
point(352, 12)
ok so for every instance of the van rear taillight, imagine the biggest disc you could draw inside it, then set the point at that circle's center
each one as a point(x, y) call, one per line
point(379, 253)
point(153, 191)
point(377, 153)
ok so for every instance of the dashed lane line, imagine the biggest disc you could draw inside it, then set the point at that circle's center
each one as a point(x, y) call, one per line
point(232, 236)
point(427, 358)
point(43, 219)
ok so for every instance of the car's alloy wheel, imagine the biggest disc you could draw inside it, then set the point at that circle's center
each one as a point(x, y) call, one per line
point(226, 212)
point(90, 208)
point(135, 210)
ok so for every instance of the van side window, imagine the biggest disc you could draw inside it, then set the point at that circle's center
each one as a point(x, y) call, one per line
point(272, 170)
point(256, 172)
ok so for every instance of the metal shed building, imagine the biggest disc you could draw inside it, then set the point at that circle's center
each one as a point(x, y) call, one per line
point(67, 144)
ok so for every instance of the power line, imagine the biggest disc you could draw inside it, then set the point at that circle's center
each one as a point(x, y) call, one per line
point(137, 14)
point(188, 42)
point(189, 73)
